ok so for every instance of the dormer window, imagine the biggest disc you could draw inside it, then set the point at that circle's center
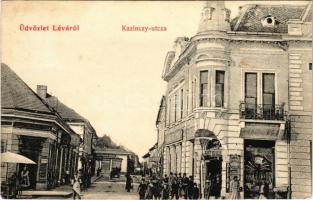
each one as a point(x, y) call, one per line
point(269, 21)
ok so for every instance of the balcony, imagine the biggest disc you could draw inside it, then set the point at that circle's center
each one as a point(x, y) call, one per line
point(261, 111)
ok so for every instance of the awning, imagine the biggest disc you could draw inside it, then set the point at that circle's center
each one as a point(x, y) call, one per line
point(34, 133)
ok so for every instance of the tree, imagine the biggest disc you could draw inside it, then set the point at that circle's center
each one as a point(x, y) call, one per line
point(106, 142)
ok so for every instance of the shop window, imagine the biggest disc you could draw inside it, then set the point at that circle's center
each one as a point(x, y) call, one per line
point(219, 88)
point(259, 168)
point(203, 88)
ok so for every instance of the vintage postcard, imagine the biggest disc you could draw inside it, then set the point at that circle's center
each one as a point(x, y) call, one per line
point(156, 99)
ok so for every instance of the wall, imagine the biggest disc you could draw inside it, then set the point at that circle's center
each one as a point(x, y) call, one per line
point(300, 92)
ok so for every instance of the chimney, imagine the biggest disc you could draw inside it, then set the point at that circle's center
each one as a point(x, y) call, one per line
point(42, 91)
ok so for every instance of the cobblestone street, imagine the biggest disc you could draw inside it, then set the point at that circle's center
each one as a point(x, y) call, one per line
point(109, 190)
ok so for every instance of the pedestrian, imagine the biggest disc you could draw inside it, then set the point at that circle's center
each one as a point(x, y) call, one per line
point(165, 188)
point(142, 188)
point(98, 171)
point(180, 185)
point(234, 188)
point(149, 194)
point(129, 181)
point(190, 187)
point(76, 187)
point(13, 185)
point(196, 192)
point(159, 188)
point(25, 177)
point(170, 180)
point(185, 182)
point(155, 188)
point(175, 187)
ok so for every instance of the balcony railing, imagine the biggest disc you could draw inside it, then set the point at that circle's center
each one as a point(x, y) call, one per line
point(261, 111)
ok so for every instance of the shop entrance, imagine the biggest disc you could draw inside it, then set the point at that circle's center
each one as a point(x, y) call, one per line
point(213, 169)
point(30, 147)
point(259, 168)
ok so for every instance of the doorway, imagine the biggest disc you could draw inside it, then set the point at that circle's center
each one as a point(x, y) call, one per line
point(259, 167)
point(30, 147)
point(213, 177)
point(213, 169)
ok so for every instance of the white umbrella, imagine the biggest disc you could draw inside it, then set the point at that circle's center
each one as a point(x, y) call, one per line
point(10, 157)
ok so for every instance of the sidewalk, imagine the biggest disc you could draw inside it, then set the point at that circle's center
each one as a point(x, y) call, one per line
point(61, 191)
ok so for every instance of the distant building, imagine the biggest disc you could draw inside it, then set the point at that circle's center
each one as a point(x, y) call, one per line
point(160, 125)
point(112, 161)
point(32, 128)
point(151, 162)
point(238, 101)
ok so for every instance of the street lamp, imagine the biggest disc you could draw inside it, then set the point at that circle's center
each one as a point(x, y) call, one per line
point(203, 142)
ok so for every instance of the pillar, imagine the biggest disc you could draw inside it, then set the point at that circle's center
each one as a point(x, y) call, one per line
point(179, 158)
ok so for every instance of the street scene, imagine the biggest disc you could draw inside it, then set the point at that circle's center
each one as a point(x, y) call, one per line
point(156, 100)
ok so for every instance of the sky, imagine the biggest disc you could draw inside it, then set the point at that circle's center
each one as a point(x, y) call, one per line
point(109, 76)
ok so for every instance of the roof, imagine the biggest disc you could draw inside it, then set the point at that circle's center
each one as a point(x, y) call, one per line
point(66, 112)
point(15, 93)
point(112, 151)
point(146, 155)
point(251, 16)
point(161, 111)
point(153, 147)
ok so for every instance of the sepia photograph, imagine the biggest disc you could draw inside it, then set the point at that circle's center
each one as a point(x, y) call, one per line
point(156, 99)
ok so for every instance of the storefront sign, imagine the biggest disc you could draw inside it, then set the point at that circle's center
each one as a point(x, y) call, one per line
point(232, 169)
point(213, 152)
point(260, 131)
point(43, 171)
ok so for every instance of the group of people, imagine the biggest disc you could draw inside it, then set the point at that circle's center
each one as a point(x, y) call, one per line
point(168, 187)
point(18, 182)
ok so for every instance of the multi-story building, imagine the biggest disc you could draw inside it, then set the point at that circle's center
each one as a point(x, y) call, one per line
point(238, 101)
point(30, 127)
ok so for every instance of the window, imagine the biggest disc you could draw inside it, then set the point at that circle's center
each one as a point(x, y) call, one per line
point(250, 94)
point(192, 95)
point(175, 107)
point(219, 88)
point(181, 103)
point(170, 111)
point(187, 101)
point(268, 92)
point(203, 88)
point(262, 107)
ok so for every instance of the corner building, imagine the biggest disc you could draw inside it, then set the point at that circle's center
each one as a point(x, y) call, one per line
point(238, 101)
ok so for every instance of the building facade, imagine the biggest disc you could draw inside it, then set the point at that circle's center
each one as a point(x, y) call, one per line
point(30, 127)
point(112, 162)
point(238, 101)
point(83, 146)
